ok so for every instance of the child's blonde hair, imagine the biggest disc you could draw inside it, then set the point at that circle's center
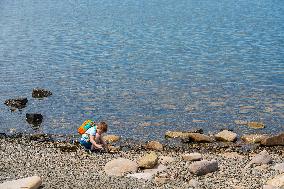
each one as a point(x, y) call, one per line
point(102, 126)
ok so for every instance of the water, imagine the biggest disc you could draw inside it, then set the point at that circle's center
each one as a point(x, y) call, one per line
point(143, 66)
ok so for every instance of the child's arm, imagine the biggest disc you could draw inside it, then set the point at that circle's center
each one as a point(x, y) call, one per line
point(95, 145)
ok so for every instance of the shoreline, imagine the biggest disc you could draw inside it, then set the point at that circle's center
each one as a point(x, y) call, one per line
point(67, 165)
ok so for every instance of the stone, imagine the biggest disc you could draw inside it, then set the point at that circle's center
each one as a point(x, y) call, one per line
point(27, 183)
point(144, 176)
point(40, 93)
point(156, 169)
point(192, 157)
point(154, 145)
point(113, 149)
point(279, 167)
point(262, 158)
point(196, 137)
point(120, 166)
point(193, 183)
point(269, 187)
point(203, 167)
point(166, 160)
point(34, 118)
point(253, 138)
point(277, 181)
point(255, 125)
point(111, 138)
point(17, 102)
point(148, 161)
point(226, 136)
point(277, 140)
point(232, 155)
point(174, 134)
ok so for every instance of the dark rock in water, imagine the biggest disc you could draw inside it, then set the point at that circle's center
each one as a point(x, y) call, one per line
point(40, 93)
point(3, 135)
point(16, 103)
point(198, 130)
point(34, 119)
point(41, 138)
point(274, 140)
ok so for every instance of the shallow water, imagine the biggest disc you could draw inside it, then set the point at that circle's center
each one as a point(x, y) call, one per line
point(143, 66)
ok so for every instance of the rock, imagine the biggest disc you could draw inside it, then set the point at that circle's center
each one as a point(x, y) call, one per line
point(269, 187)
point(240, 122)
point(279, 167)
point(226, 136)
point(111, 138)
point(40, 93)
point(174, 134)
point(262, 158)
point(255, 125)
point(113, 149)
point(277, 181)
point(120, 166)
point(154, 145)
point(196, 137)
point(193, 183)
point(34, 119)
point(166, 160)
point(233, 155)
point(28, 183)
point(192, 157)
point(253, 138)
point(144, 176)
point(277, 140)
point(203, 167)
point(148, 161)
point(156, 169)
point(17, 102)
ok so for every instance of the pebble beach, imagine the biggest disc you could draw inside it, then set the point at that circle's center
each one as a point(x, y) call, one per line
point(59, 167)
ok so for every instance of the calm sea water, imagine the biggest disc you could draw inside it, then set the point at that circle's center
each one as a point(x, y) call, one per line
point(144, 66)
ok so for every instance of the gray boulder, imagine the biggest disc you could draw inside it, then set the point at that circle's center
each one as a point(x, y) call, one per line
point(203, 167)
point(120, 166)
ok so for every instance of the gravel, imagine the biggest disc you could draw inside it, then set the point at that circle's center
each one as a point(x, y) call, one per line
point(60, 168)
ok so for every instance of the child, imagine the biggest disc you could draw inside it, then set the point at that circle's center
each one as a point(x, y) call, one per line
point(92, 138)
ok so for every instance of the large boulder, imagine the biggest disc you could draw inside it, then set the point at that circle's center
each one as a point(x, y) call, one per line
point(148, 161)
point(120, 166)
point(277, 140)
point(203, 167)
point(111, 138)
point(196, 137)
point(226, 136)
point(28, 182)
point(17, 102)
point(154, 145)
point(40, 93)
point(253, 138)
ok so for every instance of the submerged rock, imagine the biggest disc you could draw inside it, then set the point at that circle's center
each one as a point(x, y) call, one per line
point(40, 93)
point(17, 102)
point(34, 118)
point(255, 125)
point(277, 140)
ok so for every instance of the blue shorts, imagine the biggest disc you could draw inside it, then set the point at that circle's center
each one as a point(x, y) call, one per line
point(86, 144)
